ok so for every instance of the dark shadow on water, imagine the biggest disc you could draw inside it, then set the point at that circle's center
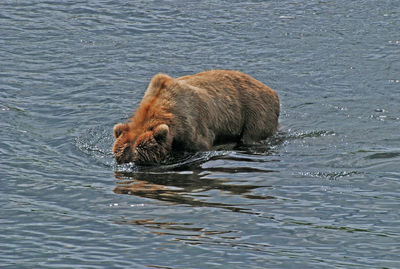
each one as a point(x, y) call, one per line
point(183, 188)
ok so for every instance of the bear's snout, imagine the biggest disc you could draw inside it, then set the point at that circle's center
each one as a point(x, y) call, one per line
point(124, 156)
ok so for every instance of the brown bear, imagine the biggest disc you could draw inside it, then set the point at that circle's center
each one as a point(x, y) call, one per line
point(195, 112)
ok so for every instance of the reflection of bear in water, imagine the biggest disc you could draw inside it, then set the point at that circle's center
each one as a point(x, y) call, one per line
point(195, 112)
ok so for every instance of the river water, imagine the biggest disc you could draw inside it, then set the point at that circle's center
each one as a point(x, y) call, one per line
point(323, 193)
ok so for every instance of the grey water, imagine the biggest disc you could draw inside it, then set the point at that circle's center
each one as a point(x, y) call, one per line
point(324, 192)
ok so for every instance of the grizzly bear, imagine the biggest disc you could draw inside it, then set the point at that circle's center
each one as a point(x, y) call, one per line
point(195, 112)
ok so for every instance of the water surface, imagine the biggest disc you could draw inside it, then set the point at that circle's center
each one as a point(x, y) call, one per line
point(322, 193)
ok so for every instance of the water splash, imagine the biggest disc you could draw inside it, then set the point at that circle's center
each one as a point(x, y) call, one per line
point(96, 143)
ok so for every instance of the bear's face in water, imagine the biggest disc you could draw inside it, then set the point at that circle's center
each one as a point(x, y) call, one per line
point(149, 148)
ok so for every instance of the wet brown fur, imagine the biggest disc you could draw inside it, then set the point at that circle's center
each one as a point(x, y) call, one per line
point(195, 112)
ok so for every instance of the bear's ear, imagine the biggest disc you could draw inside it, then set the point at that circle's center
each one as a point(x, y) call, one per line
point(119, 128)
point(161, 133)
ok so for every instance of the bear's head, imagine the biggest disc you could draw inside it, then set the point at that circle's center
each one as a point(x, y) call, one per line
point(148, 148)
